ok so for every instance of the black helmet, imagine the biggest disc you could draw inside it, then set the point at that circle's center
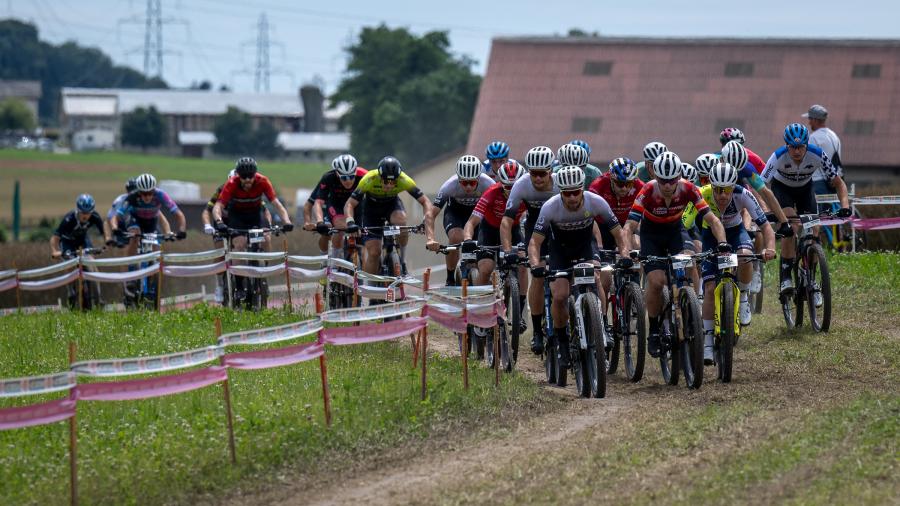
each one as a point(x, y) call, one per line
point(389, 168)
point(245, 167)
point(131, 185)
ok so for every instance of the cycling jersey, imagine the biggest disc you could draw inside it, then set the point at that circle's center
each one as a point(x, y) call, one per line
point(621, 206)
point(135, 206)
point(782, 168)
point(332, 192)
point(753, 159)
point(749, 173)
point(523, 191)
point(492, 205)
point(114, 208)
point(569, 227)
point(643, 172)
point(238, 200)
point(459, 200)
point(591, 173)
point(651, 204)
point(73, 232)
point(741, 199)
point(371, 188)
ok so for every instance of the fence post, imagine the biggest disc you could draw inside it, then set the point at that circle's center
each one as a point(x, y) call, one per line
point(18, 291)
point(465, 336)
point(287, 277)
point(323, 367)
point(159, 281)
point(80, 282)
point(229, 419)
point(73, 441)
point(423, 345)
point(852, 213)
point(497, 358)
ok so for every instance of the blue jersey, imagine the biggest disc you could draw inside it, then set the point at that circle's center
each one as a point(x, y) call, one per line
point(135, 206)
point(783, 169)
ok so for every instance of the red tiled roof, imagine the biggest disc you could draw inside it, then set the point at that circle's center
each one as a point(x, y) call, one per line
point(676, 91)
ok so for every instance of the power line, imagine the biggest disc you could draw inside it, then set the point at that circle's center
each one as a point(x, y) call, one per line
point(153, 49)
point(262, 69)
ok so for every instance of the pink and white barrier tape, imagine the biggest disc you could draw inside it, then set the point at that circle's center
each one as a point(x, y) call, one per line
point(340, 263)
point(37, 414)
point(120, 261)
point(438, 297)
point(144, 365)
point(48, 284)
point(200, 256)
point(373, 332)
point(272, 334)
point(50, 269)
point(319, 261)
point(261, 256)
point(34, 385)
point(193, 271)
point(301, 274)
point(121, 277)
point(253, 271)
point(373, 312)
point(868, 224)
point(342, 279)
point(7, 273)
point(8, 284)
point(265, 359)
point(151, 387)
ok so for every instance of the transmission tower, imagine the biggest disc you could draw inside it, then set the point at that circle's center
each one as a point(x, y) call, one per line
point(262, 70)
point(153, 49)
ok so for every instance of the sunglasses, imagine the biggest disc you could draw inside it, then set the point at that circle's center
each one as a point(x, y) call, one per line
point(349, 177)
point(251, 178)
point(668, 182)
point(571, 193)
point(468, 184)
point(539, 173)
point(723, 190)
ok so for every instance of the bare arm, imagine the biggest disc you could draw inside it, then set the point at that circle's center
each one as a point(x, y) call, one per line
point(841, 187)
point(350, 207)
point(715, 225)
point(428, 209)
point(180, 221)
point(506, 233)
point(217, 212)
point(317, 214)
point(54, 247)
point(769, 198)
point(534, 249)
point(469, 229)
point(285, 217)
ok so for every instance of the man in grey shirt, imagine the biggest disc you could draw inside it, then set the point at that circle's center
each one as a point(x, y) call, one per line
point(825, 138)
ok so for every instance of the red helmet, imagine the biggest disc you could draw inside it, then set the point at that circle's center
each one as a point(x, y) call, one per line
point(509, 172)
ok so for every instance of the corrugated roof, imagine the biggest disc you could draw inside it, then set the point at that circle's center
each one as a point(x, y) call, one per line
point(192, 102)
point(91, 105)
point(196, 138)
point(537, 92)
point(305, 141)
point(20, 88)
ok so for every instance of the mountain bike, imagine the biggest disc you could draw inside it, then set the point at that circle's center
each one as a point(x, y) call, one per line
point(467, 270)
point(250, 292)
point(90, 291)
point(337, 295)
point(143, 292)
point(681, 332)
point(626, 321)
point(812, 281)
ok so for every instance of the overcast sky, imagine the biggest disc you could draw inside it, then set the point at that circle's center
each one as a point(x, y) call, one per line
point(216, 39)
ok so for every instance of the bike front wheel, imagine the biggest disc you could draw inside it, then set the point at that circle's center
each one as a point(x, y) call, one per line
point(691, 347)
point(594, 327)
point(818, 289)
point(669, 358)
point(509, 343)
point(725, 339)
point(634, 332)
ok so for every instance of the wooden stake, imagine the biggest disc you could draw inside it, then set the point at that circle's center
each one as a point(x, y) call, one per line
point(465, 336)
point(159, 282)
point(18, 291)
point(73, 441)
point(323, 367)
point(423, 345)
point(229, 418)
point(287, 277)
point(80, 282)
point(497, 358)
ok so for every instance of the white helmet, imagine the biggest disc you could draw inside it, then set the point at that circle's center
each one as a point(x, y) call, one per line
point(705, 163)
point(654, 149)
point(667, 165)
point(689, 172)
point(723, 175)
point(572, 154)
point(468, 167)
point(570, 177)
point(146, 183)
point(509, 172)
point(232, 174)
point(344, 165)
point(734, 154)
point(539, 157)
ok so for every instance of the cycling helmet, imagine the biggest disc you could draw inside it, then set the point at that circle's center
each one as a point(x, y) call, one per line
point(570, 177)
point(731, 134)
point(689, 172)
point(84, 203)
point(389, 168)
point(705, 163)
point(468, 167)
point(344, 165)
point(497, 149)
point(509, 172)
point(654, 149)
point(734, 154)
point(572, 154)
point(667, 165)
point(245, 167)
point(539, 157)
point(796, 134)
point(584, 144)
point(623, 169)
point(723, 175)
point(145, 183)
point(131, 185)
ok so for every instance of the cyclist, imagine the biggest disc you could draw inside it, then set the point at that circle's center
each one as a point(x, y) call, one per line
point(497, 153)
point(789, 171)
point(118, 234)
point(691, 234)
point(242, 196)
point(142, 207)
point(704, 163)
point(735, 155)
point(379, 190)
point(460, 193)
point(569, 217)
point(310, 225)
point(662, 202)
point(71, 234)
point(485, 221)
point(728, 200)
point(570, 154)
point(533, 191)
point(332, 192)
point(733, 134)
point(645, 168)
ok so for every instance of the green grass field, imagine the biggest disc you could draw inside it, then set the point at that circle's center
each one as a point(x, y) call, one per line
point(174, 449)
point(50, 183)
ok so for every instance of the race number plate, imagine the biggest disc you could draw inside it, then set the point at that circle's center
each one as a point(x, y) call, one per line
point(256, 235)
point(391, 231)
point(810, 224)
point(726, 261)
point(680, 262)
point(583, 275)
point(468, 256)
point(149, 240)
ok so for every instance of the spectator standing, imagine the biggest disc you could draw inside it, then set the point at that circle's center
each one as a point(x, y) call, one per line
point(825, 138)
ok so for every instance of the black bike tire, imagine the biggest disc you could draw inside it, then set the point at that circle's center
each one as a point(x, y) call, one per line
point(799, 295)
point(510, 341)
point(594, 326)
point(692, 346)
point(550, 365)
point(787, 305)
point(633, 360)
point(821, 264)
point(668, 359)
point(616, 349)
point(577, 357)
point(725, 339)
point(757, 302)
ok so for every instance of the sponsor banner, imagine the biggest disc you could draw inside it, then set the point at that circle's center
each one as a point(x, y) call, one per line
point(200, 256)
point(119, 261)
point(8, 284)
point(47, 284)
point(307, 274)
point(373, 312)
point(253, 271)
point(50, 269)
point(262, 256)
point(272, 334)
point(265, 359)
point(193, 271)
point(144, 365)
point(34, 385)
point(373, 332)
point(319, 260)
point(37, 414)
point(30, 310)
point(151, 387)
point(120, 277)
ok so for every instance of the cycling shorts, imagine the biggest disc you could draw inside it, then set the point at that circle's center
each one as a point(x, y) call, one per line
point(455, 218)
point(687, 242)
point(490, 236)
point(563, 256)
point(736, 236)
point(145, 225)
point(802, 198)
point(246, 221)
point(660, 240)
point(376, 215)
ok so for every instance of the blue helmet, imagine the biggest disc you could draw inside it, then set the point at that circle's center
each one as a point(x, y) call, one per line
point(796, 134)
point(623, 169)
point(584, 144)
point(497, 149)
point(84, 203)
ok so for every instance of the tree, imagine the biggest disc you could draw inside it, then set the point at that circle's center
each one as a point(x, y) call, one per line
point(15, 116)
point(234, 133)
point(144, 128)
point(409, 95)
point(264, 138)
